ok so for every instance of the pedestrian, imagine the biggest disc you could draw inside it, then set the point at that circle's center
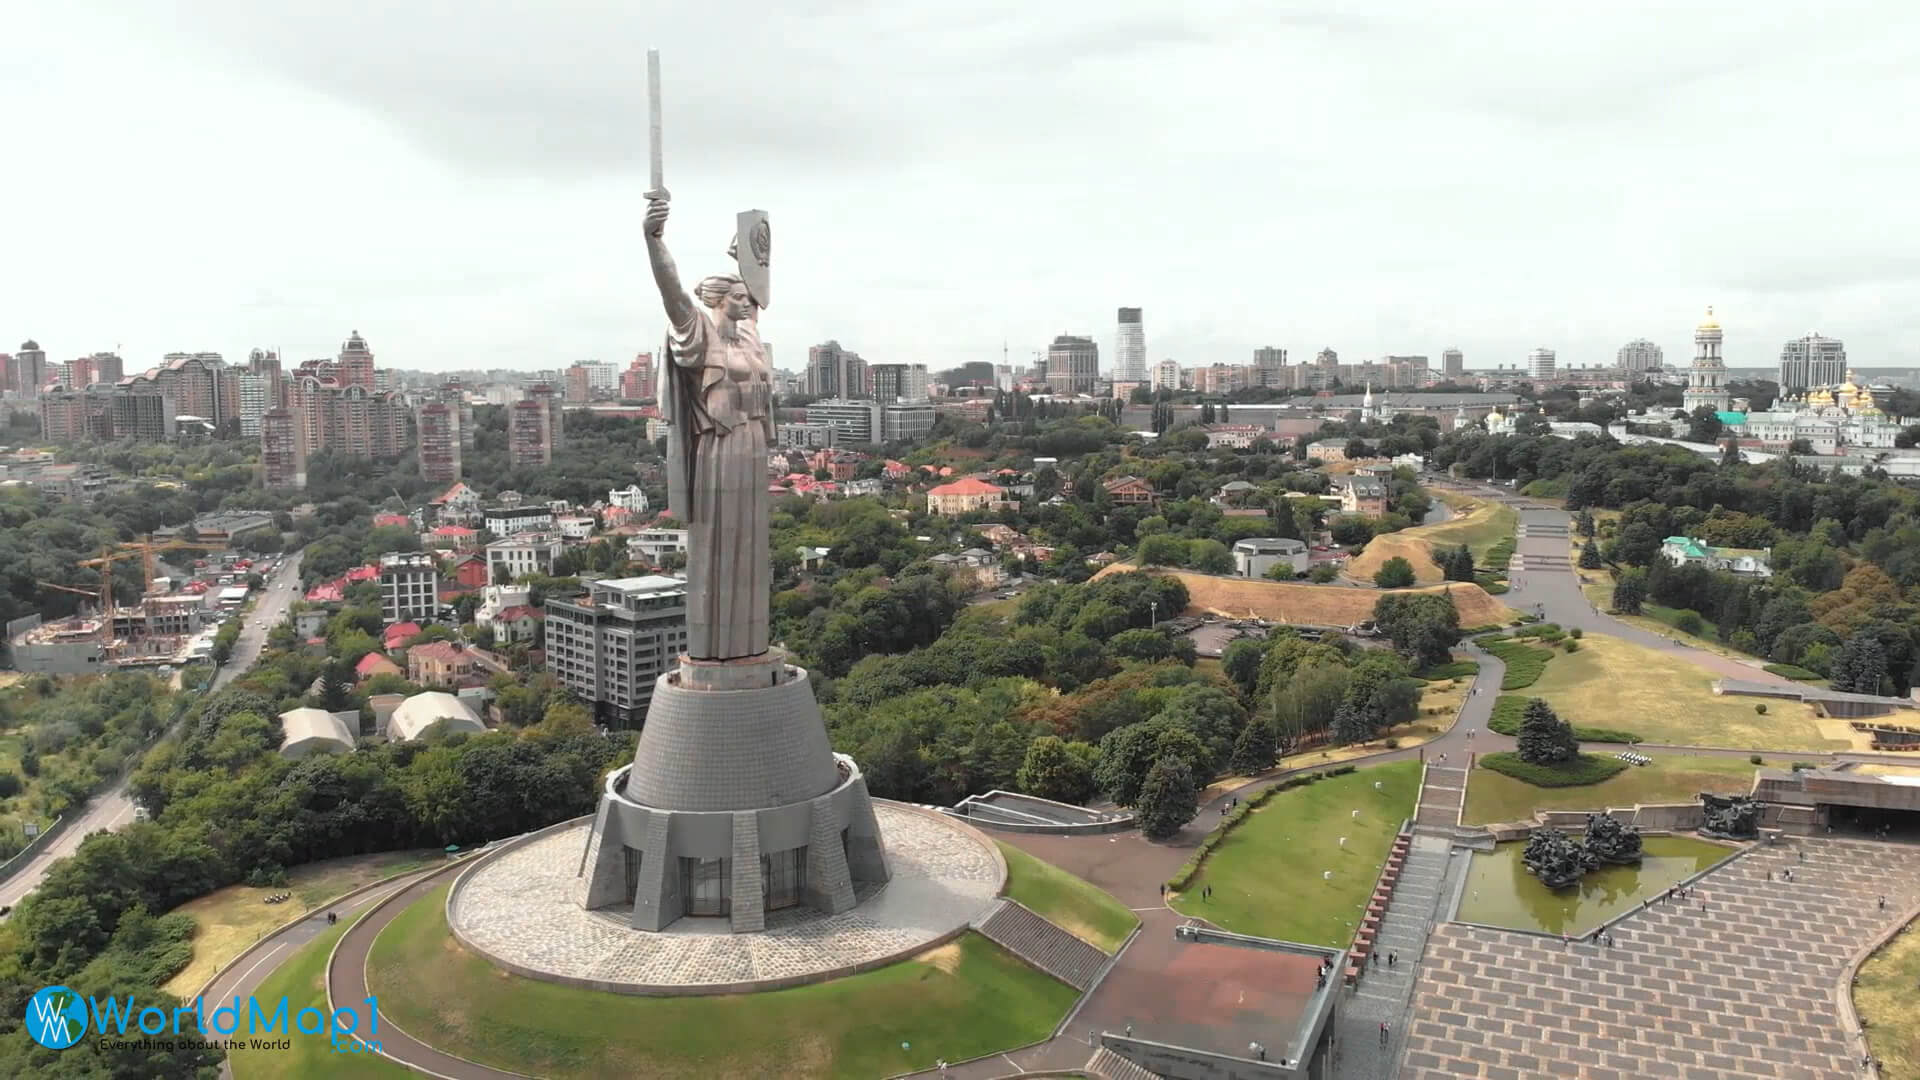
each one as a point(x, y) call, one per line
point(1769, 875)
point(1392, 958)
point(1383, 1033)
point(1374, 958)
point(1883, 903)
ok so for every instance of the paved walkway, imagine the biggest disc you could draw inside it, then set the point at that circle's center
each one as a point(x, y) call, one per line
point(1741, 981)
point(1384, 989)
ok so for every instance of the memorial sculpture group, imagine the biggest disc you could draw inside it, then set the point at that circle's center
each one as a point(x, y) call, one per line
point(1730, 817)
point(1560, 861)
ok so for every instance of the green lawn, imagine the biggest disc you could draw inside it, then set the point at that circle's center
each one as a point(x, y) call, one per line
point(1666, 698)
point(1087, 912)
point(1266, 874)
point(959, 1001)
point(1493, 797)
point(1481, 524)
point(1884, 995)
point(298, 979)
point(228, 920)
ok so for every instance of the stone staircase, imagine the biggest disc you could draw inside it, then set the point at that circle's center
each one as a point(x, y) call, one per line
point(1042, 944)
point(1111, 1066)
point(1442, 796)
point(1383, 991)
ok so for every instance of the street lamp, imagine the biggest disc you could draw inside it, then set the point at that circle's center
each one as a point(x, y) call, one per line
point(1153, 608)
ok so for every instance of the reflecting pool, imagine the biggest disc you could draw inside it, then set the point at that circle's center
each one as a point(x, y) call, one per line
point(1500, 892)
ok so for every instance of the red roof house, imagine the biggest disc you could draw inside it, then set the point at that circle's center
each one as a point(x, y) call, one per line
point(399, 634)
point(375, 664)
point(381, 521)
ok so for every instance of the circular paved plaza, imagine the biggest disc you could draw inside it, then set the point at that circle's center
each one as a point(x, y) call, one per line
point(517, 908)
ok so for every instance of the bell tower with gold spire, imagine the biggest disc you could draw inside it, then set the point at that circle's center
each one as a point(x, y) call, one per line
point(1706, 381)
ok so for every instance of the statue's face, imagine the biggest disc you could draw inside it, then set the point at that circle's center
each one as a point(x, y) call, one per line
point(739, 303)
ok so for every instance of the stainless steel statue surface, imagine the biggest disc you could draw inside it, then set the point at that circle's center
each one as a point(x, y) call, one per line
point(718, 397)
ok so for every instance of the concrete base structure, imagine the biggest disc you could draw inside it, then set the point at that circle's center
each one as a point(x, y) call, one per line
point(735, 805)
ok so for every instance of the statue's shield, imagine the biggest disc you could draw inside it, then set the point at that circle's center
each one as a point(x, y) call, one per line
point(753, 247)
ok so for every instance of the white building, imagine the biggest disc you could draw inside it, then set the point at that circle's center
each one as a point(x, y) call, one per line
point(574, 526)
point(524, 553)
point(1641, 355)
point(1166, 375)
point(422, 711)
point(1686, 551)
point(506, 521)
point(1706, 380)
point(652, 545)
point(317, 731)
point(1130, 348)
point(253, 403)
point(628, 498)
point(409, 587)
point(1540, 364)
point(1252, 558)
point(495, 599)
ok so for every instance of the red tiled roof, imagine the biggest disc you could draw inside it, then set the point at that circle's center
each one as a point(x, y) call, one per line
point(452, 530)
point(445, 652)
point(374, 664)
point(380, 520)
point(966, 486)
point(399, 632)
point(520, 611)
point(363, 573)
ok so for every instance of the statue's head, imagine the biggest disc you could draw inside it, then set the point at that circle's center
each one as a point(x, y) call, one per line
point(726, 295)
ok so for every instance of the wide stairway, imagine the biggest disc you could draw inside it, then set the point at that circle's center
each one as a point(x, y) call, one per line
point(1383, 991)
point(1111, 1066)
point(1442, 796)
point(1043, 944)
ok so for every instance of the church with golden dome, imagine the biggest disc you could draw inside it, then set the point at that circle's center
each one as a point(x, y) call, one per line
point(1707, 379)
point(1831, 419)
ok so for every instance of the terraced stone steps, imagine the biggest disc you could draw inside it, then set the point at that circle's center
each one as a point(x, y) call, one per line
point(1105, 1063)
point(1044, 945)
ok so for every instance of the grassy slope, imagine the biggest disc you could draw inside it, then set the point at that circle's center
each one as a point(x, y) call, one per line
point(1074, 905)
point(1884, 996)
point(1493, 797)
point(1266, 874)
point(1313, 605)
point(1479, 524)
point(1665, 699)
point(962, 1000)
point(228, 920)
point(299, 980)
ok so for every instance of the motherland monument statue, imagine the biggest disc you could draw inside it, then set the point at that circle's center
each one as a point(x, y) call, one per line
point(735, 804)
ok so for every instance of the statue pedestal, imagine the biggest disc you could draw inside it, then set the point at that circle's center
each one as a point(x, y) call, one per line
point(734, 805)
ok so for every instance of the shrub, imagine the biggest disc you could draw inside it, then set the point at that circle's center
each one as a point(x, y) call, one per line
point(1524, 663)
point(1689, 622)
point(1392, 744)
point(1585, 769)
point(1761, 709)
point(1570, 645)
point(1576, 632)
point(1476, 631)
point(1792, 671)
point(1484, 640)
point(1458, 669)
point(1754, 758)
point(1494, 588)
point(1801, 765)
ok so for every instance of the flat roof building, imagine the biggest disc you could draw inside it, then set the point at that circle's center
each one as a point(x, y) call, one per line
point(611, 646)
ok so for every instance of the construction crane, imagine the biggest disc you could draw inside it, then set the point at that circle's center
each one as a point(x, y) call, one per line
point(145, 549)
point(103, 598)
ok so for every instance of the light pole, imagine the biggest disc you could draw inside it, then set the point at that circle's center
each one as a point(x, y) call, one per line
point(1153, 609)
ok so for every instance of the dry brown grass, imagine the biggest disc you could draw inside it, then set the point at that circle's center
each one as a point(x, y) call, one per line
point(1477, 523)
point(1313, 605)
point(1408, 544)
point(1883, 994)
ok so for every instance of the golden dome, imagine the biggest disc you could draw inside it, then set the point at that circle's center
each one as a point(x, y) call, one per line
point(1709, 323)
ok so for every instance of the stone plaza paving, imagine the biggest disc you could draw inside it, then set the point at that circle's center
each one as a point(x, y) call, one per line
point(518, 907)
point(1747, 988)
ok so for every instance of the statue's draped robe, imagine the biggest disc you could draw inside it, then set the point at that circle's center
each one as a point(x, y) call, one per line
point(720, 403)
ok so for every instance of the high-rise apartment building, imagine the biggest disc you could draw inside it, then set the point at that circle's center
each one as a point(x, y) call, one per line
point(1641, 355)
point(1812, 361)
point(409, 587)
point(350, 421)
point(29, 368)
point(834, 372)
point(1540, 363)
point(529, 434)
point(602, 377)
point(195, 382)
point(142, 415)
point(579, 385)
point(1130, 348)
point(75, 416)
point(101, 367)
point(1270, 367)
point(1166, 375)
point(1453, 363)
point(283, 450)
point(356, 362)
point(636, 382)
point(611, 647)
point(253, 395)
point(266, 363)
point(549, 398)
point(899, 382)
point(454, 396)
point(1706, 380)
point(1073, 365)
point(437, 433)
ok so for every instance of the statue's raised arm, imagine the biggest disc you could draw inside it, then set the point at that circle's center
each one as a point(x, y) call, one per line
point(665, 274)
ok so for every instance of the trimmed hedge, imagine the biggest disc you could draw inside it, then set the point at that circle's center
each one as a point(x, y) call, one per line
point(1524, 663)
point(1793, 671)
point(1583, 770)
point(1476, 631)
point(1247, 806)
point(1459, 669)
point(1507, 709)
point(1489, 638)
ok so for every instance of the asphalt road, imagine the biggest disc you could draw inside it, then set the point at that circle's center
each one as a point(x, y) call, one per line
point(113, 808)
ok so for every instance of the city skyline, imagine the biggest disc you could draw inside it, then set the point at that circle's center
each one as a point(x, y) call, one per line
point(535, 126)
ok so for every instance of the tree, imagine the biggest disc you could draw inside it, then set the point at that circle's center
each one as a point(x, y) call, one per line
point(1323, 574)
point(1630, 593)
point(1589, 556)
point(1163, 549)
point(1456, 564)
point(1126, 754)
point(1209, 557)
point(1254, 751)
point(1860, 665)
point(1241, 663)
point(336, 687)
point(1423, 626)
point(1169, 798)
point(1545, 739)
point(1053, 771)
point(1351, 724)
point(1583, 523)
point(1395, 573)
point(566, 718)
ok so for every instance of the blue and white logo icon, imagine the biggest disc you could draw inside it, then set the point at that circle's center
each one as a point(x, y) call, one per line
point(56, 1017)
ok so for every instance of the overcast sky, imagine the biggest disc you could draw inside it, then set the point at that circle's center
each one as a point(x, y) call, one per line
point(461, 182)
